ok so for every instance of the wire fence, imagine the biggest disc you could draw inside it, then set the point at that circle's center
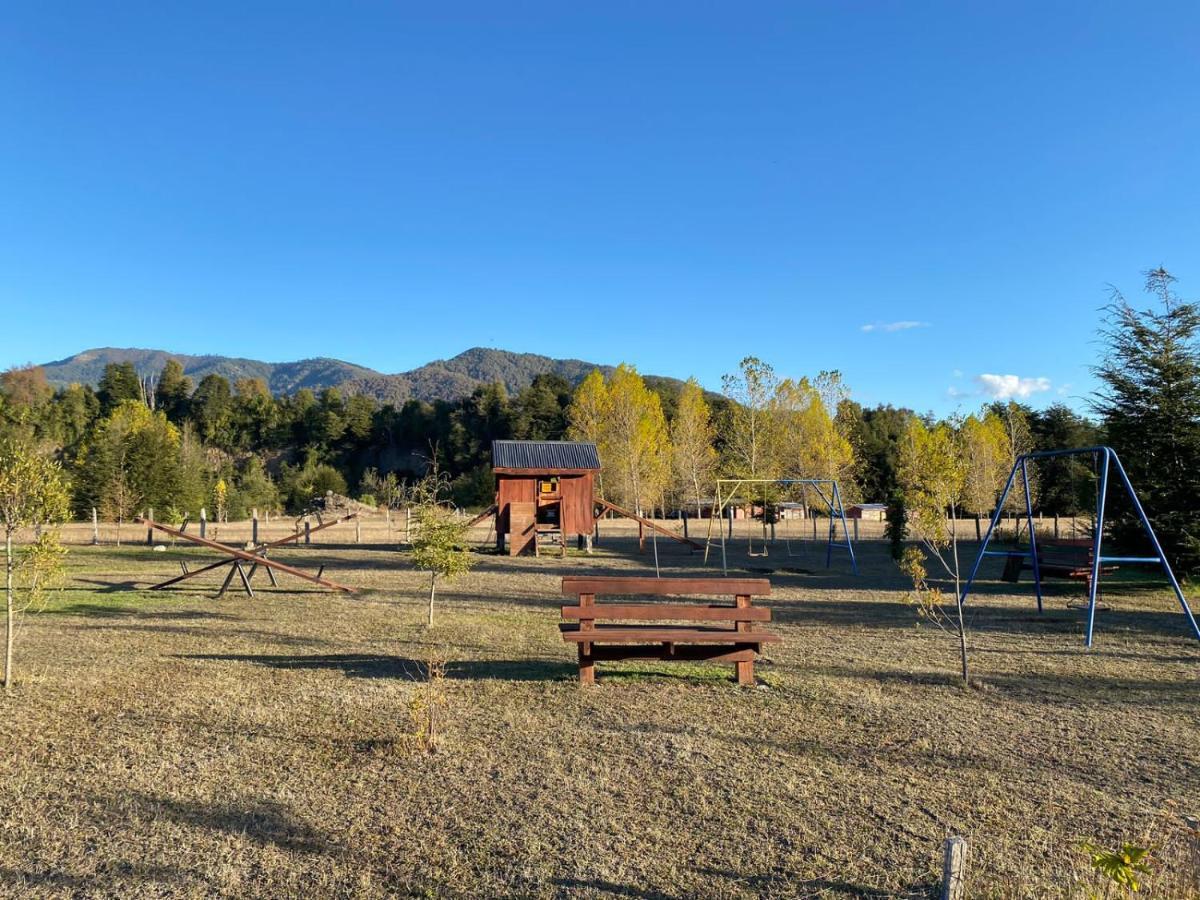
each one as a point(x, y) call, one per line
point(395, 527)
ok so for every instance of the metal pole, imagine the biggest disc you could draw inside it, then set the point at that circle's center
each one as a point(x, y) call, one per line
point(1096, 543)
point(1137, 505)
point(724, 563)
point(987, 537)
point(846, 531)
point(1037, 572)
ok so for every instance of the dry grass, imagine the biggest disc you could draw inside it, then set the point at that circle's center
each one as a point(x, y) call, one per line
point(169, 744)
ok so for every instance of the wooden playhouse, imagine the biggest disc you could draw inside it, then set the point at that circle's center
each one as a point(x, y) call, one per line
point(544, 492)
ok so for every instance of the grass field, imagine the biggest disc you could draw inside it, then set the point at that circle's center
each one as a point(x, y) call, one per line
point(171, 745)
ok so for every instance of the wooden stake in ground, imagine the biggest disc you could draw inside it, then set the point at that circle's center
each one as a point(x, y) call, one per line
point(954, 869)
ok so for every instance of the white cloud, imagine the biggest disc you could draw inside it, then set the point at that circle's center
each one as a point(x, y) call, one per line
point(1006, 387)
point(894, 326)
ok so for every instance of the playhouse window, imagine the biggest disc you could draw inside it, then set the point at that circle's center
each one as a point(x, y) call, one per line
point(547, 485)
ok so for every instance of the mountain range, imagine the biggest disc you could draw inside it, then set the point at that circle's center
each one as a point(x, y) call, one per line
point(443, 379)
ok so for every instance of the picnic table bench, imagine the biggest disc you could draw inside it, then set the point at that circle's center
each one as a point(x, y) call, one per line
point(603, 631)
point(1058, 558)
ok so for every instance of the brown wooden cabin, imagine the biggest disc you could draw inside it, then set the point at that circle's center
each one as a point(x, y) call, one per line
point(543, 488)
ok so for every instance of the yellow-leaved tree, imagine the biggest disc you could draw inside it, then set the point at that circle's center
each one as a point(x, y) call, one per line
point(986, 459)
point(932, 476)
point(587, 414)
point(32, 495)
point(806, 439)
point(692, 451)
point(749, 429)
point(635, 441)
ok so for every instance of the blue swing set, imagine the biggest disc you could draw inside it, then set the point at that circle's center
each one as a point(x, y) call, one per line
point(1106, 461)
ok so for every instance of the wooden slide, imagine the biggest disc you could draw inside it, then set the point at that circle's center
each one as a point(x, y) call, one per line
point(607, 506)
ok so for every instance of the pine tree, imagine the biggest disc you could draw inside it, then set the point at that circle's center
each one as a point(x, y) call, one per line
point(1150, 407)
point(173, 390)
point(120, 382)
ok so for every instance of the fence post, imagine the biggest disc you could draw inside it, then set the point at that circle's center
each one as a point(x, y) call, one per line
point(149, 530)
point(95, 528)
point(407, 524)
point(855, 521)
point(1056, 525)
point(254, 526)
point(357, 531)
point(954, 869)
point(307, 532)
point(203, 521)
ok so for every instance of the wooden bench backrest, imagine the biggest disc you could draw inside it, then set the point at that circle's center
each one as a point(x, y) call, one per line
point(713, 587)
point(1065, 552)
point(742, 589)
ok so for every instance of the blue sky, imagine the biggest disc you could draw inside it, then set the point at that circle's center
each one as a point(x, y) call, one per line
point(917, 194)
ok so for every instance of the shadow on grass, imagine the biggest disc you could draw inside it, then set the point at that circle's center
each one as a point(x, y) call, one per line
point(263, 822)
point(611, 888)
point(768, 885)
point(105, 880)
point(366, 665)
point(1055, 687)
point(101, 611)
point(114, 587)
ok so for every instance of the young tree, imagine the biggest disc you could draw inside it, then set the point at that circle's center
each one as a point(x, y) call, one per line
point(692, 436)
point(932, 476)
point(386, 489)
point(32, 494)
point(1150, 407)
point(748, 429)
point(439, 546)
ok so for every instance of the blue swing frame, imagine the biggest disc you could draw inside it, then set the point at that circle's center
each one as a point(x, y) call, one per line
point(1107, 460)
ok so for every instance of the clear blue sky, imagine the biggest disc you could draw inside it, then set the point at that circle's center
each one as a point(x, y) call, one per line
point(673, 185)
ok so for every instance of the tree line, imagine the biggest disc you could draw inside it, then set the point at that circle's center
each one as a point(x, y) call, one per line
point(132, 444)
point(168, 444)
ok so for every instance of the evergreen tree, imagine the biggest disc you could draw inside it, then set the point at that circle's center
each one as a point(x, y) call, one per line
point(1150, 408)
point(172, 392)
point(211, 409)
point(1066, 485)
point(120, 382)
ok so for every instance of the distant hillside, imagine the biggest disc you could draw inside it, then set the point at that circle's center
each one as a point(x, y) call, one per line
point(445, 379)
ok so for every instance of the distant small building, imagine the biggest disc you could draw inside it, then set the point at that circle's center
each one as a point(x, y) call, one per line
point(868, 512)
point(543, 487)
point(790, 511)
